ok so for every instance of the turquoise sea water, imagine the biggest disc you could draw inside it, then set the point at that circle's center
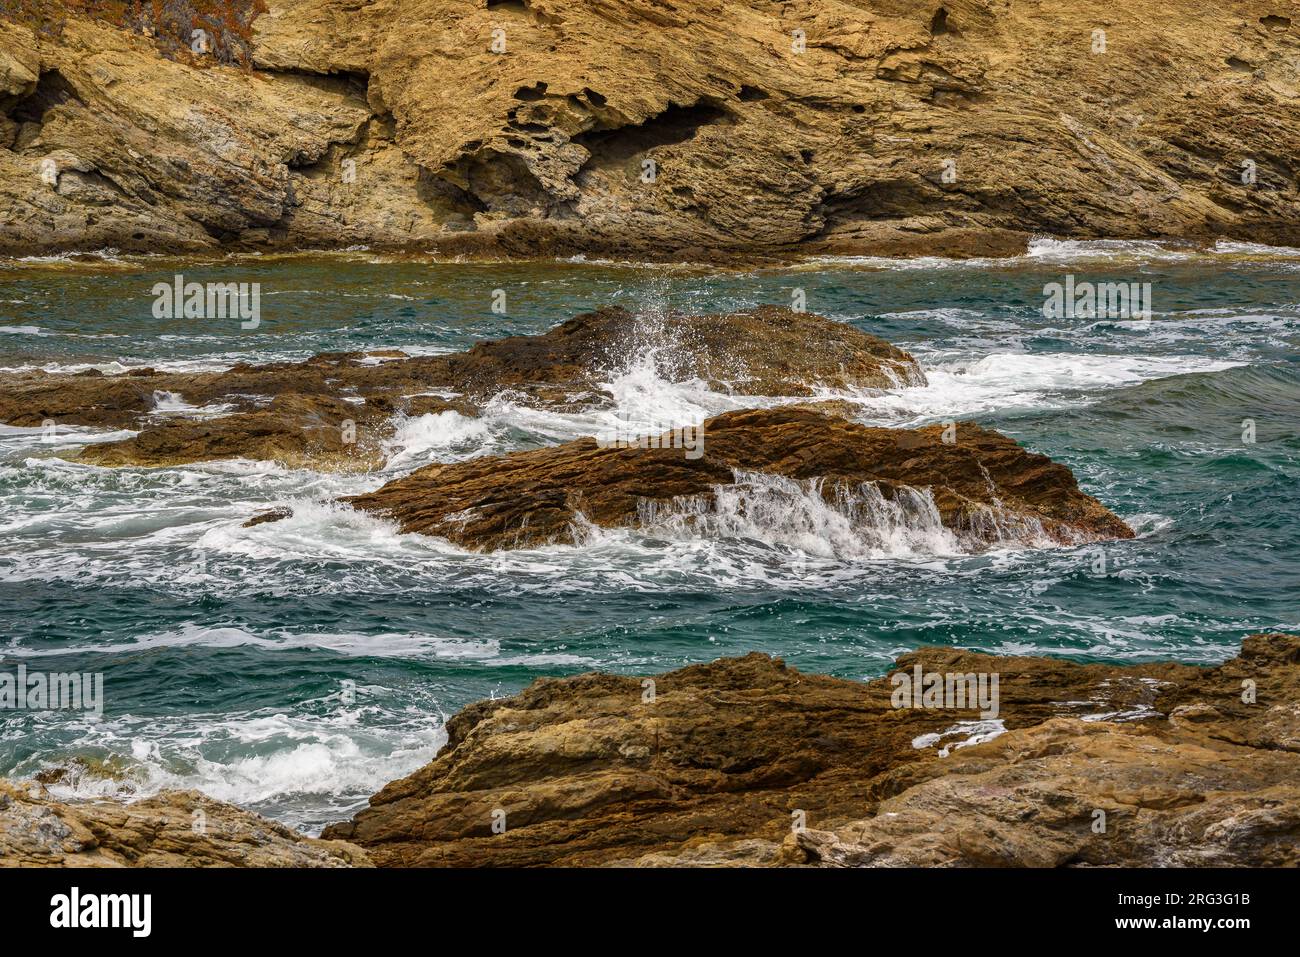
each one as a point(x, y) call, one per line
point(296, 667)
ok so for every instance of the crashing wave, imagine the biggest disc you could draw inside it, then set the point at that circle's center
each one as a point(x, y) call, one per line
point(839, 520)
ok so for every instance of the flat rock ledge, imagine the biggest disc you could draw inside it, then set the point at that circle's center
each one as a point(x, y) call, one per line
point(746, 761)
point(976, 484)
point(171, 829)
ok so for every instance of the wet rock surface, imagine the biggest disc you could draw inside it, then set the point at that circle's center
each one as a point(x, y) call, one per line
point(747, 761)
point(976, 483)
point(294, 430)
point(770, 350)
point(336, 411)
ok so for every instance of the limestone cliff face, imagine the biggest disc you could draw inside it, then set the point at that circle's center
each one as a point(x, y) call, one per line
point(658, 128)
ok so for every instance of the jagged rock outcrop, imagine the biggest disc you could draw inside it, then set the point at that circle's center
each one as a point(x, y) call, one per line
point(691, 129)
point(1210, 780)
point(980, 485)
point(748, 761)
point(171, 829)
point(334, 410)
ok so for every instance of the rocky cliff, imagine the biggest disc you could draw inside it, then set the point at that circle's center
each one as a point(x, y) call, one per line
point(654, 129)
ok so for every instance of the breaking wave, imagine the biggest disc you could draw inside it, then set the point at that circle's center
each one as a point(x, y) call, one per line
point(840, 520)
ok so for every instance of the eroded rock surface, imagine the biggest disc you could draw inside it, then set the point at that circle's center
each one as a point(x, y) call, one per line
point(979, 485)
point(659, 130)
point(171, 829)
point(719, 762)
point(1206, 780)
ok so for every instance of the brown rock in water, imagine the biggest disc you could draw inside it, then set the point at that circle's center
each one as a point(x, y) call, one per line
point(160, 831)
point(719, 763)
point(270, 515)
point(767, 350)
point(297, 431)
point(983, 487)
point(31, 399)
point(770, 350)
point(897, 128)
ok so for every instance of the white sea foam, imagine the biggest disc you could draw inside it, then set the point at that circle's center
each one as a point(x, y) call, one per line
point(643, 402)
point(852, 523)
point(968, 733)
point(1049, 250)
point(900, 263)
point(173, 403)
point(1040, 250)
point(1007, 381)
point(307, 764)
point(170, 402)
point(109, 254)
point(437, 436)
point(1046, 250)
point(408, 645)
point(957, 387)
point(38, 441)
point(1230, 247)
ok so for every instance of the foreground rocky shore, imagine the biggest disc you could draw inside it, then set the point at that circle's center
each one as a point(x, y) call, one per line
point(747, 761)
point(172, 829)
point(691, 130)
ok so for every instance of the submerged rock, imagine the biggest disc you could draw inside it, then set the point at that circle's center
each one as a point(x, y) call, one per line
point(171, 829)
point(751, 469)
point(748, 761)
point(277, 514)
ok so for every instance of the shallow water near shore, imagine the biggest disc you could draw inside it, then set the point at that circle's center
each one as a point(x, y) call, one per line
point(296, 667)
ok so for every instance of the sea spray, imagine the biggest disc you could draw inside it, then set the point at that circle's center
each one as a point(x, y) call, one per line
point(843, 521)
